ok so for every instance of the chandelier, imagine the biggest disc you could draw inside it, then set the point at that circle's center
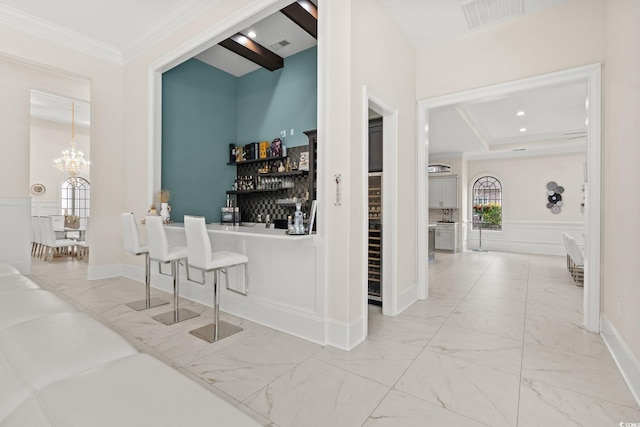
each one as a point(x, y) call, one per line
point(72, 162)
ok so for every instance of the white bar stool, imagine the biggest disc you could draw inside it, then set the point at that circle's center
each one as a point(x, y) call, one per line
point(202, 258)
point(131, 237)
point(162, 253)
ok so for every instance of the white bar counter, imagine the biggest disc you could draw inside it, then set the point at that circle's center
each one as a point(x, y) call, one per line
point(283, 290)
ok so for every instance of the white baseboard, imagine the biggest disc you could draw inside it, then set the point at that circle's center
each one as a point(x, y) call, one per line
point(345, 336)
point(627, 362)
point(406, 298)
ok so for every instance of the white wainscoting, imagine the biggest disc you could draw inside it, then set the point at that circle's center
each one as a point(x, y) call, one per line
point(15, 214)
point(534, 237)
point(45, 208)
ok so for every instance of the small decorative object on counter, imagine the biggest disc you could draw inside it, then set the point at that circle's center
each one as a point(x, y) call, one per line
point(298, 224)
point(281, 168)
point(153, 210)
point(164, 196)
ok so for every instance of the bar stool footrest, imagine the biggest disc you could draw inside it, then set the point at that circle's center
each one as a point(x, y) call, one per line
point(208, 332)
point(142, 304)
point(171, 317)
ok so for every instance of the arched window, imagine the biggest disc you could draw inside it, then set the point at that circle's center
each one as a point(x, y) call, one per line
point(74, 198)
point(487, 203)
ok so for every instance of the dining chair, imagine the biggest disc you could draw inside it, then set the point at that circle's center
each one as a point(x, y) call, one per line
point(202, 258)
point(161, 252)
point(82, 246)
point(577, 256)
point(132, 245)
point(35, 231)
point(49, 240)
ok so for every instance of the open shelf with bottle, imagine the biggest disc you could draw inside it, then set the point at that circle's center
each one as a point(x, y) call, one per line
point(261, 183)
point(374, 262)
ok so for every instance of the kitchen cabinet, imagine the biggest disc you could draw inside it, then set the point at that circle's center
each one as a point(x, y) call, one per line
point(446, 236)
point(443, 192)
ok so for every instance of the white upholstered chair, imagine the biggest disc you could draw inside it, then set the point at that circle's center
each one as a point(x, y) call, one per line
point(49, 240)
point(132, 245)
point(162, 253)
point(201, 257)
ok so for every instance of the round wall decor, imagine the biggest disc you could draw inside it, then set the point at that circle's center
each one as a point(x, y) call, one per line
point(554, 197)
point(38, 189)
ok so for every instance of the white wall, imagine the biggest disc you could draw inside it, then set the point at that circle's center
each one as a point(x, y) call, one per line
point(384, 62)
point(558, 38)
point(47, 141)
point(621, 178)
point(44, 65)
point(524, 180)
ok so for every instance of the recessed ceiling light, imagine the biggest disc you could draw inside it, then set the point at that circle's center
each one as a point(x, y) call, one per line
point(520, 113)
point(523, 129)
point(252, 34)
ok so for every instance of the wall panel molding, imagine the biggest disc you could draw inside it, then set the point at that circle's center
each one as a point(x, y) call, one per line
point(535, 237)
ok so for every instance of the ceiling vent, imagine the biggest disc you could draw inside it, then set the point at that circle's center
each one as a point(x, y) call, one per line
point(480, 13)
point(279, 45)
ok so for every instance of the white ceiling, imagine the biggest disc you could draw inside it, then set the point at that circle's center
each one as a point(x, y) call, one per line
point(427, 22)
point(269, 31)
point(554, 118)
point(119, 26)
point(55, 108)
point(117, 29)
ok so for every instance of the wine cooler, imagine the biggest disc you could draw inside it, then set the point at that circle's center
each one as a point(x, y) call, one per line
point(375, 238)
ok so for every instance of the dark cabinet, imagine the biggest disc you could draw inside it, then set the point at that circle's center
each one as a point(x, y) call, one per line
point(375, 145)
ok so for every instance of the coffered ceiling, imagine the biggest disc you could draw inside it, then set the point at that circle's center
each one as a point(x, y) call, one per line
point(536, 121)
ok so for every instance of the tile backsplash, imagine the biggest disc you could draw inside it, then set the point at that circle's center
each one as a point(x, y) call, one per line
point(436, 215)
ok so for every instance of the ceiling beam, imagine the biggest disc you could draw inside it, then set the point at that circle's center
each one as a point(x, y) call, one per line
point(305, 14)
point(253, 51)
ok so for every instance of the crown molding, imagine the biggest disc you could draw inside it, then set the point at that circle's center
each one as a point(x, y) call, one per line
point(171, 22)
point(58, 34)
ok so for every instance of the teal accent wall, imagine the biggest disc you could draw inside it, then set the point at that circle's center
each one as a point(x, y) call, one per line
point(199, 120)
point(205, 109)
point(285, 99)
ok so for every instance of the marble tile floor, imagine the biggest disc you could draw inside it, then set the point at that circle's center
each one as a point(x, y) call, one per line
point(499, 342)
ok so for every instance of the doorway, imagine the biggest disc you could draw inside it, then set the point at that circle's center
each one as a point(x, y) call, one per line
point(591, 75)
point(388, 204)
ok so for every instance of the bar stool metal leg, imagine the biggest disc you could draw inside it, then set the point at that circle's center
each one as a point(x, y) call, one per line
point(178, 314)
point(218, 329)
point(148, 302)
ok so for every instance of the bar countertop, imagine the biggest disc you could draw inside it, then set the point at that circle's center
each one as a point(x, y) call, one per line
point(253, 229)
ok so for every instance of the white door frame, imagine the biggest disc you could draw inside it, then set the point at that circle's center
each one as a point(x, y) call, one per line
point(389, 202)
point(592, 75)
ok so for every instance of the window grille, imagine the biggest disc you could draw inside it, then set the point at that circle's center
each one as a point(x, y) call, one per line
point(487, 203)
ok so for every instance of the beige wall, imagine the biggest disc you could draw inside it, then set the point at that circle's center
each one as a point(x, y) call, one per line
point(51, 61)
point(17, 78)
point(621, 171)
point(559, 38)
point(384, 61)
point(524, 181)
